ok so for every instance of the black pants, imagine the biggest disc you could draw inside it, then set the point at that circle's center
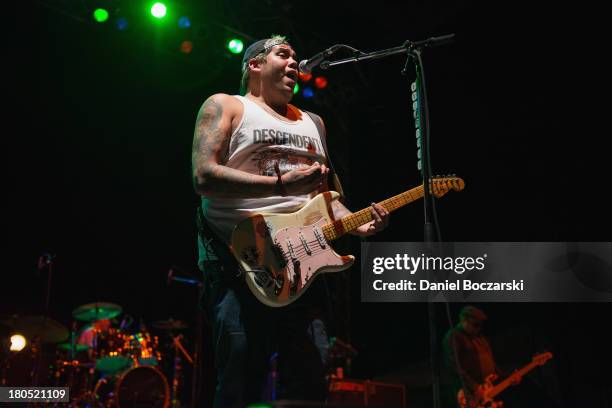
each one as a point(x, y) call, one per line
point(245, 335)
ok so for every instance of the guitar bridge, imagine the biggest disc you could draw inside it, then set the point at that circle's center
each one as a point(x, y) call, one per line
point(291, 250)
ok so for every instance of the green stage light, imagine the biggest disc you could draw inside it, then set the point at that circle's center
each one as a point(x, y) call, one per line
point(296, 89)
point(158, 10)
point(100, 15)
point(235, 46)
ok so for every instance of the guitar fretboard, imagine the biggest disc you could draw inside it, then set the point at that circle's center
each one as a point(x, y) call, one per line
point(353, 221)
point(508, 381)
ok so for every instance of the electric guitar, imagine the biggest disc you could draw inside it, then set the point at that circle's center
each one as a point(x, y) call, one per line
point(488, 391)
point(281, 254)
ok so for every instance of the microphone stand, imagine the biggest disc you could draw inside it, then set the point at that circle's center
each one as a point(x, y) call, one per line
point(413, 51)
point(177, 367)
point(45, 261)
point(424, 165)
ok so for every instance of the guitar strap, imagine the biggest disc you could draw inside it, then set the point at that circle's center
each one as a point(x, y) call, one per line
point(338, 186)
point(322, 135)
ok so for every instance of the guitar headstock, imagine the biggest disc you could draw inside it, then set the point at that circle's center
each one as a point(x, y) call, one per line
point(542, 358)
point(440, 185)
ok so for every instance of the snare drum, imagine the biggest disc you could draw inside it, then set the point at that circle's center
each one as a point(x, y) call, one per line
point(142, 386)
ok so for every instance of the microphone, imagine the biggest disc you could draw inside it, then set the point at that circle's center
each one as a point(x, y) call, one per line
point(172, 278)
point(306, 66)
point(433, 41)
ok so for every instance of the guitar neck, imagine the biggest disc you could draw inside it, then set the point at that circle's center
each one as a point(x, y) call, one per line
point(355, 220)
point(512, 378)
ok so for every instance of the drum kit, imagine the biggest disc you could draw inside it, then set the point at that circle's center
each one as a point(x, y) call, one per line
point(103, 366)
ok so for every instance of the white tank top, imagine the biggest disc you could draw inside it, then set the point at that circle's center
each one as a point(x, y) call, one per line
point(259, 141)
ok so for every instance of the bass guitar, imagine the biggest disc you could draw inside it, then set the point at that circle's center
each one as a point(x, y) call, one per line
point(486, 393)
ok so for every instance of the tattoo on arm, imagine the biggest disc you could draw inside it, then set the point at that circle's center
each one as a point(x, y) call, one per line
point(209, 153)
point(208, 137)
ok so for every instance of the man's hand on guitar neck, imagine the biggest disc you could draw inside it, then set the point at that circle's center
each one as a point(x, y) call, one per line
point(380, 218)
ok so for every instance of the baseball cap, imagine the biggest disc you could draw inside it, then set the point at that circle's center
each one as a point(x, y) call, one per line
point(258, 47)
point(473, 313)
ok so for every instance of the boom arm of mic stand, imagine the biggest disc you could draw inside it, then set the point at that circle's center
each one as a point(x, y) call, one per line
point(402, 49)
point(365, 56)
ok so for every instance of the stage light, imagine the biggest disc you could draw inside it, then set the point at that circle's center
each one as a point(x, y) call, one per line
point(307, 92)
point(184, 22)
point(304, 77)
point(296, 89)
point(100, 15)
point(18, 342)
point(158, 10)
point(235, 46)
point(186, 47)
point(122, 23)
point(320, 82)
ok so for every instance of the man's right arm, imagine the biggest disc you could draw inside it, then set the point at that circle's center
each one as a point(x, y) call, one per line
point(210, 148)
point(209, 153)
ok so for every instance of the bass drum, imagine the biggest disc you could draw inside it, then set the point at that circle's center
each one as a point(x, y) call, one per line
point(138, 387)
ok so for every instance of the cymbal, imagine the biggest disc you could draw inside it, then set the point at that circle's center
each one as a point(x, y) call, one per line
point(77, 347)
point(170, 324)
point(96, 311)
point(49, 330)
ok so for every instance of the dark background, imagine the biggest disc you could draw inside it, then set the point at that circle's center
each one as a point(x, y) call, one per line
point(98, 129)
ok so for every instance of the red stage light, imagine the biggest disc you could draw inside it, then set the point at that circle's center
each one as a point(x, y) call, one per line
point(320, 82)
point(305, 77)
point(186, 47)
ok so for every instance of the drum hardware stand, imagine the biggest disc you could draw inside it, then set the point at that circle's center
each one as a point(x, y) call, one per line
point(176, 373)
point(197, 353)
point(90, 370)
point(73, 340)
point(45, 261)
